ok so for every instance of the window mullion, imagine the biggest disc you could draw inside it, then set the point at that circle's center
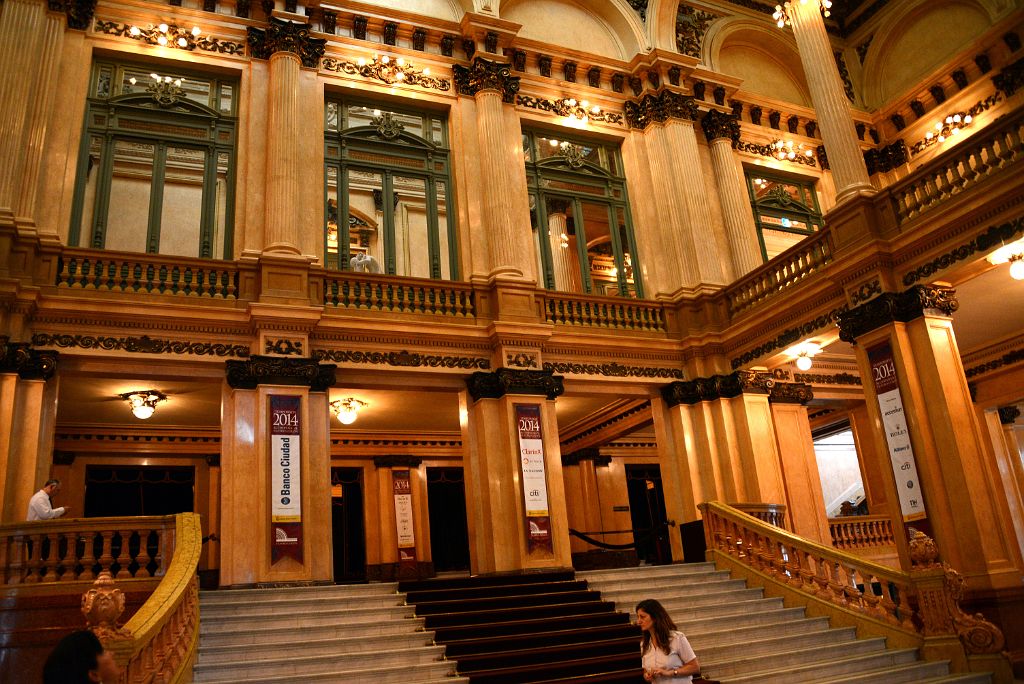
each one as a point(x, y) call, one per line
point(544, 240)
point(433, 239)
point(388, 207)
point(209, 210)
point(103, 183)
point(156, 198)
point(581, 245)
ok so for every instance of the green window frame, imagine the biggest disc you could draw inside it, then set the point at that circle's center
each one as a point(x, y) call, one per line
point(153, 136)
point(400, 157)
point(577, 186)
point(783, 206)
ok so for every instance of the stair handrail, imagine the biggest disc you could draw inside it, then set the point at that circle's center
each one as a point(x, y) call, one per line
point(919, 609)
point(159, 642)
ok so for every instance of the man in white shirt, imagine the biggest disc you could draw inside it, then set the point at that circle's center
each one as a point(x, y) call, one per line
point(39, 507)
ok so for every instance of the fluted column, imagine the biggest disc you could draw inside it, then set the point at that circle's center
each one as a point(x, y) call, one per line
point(39, 109)
point(678, 260)
point(492, 84)
point(564, 261)
point(21, 33)
point(829, 98)
point(721, 130)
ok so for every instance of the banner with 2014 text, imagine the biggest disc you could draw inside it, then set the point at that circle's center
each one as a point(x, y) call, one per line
point(285, 478)
point(535, 487)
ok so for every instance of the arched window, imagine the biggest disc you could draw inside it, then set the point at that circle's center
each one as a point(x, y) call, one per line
point(580, 214)
point(388, 199)
point(156, 168)
point(785, 210)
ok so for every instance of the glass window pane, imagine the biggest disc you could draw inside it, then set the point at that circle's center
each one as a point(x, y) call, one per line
point(778, 241)
point(331, 118)
point(437, 131)
point(182, 209)
point(627, 252)
point(365, 218)
point(572, 151)
point(442, 230)
point(332, 257)
point(412, 242)
point(604, 269)
point(359, 115)
point(220, 224)
point(193, 89)
point(227, 95)
point(104, 81)
point(130, 189)
point(561, 235)
point(89, 202)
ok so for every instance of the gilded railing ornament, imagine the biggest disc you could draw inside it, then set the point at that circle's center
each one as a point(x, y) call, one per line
point(286, 36)
point(659, 108)
point(102, 606)
point(484, 74)
point(388, 70)
point(718, 125)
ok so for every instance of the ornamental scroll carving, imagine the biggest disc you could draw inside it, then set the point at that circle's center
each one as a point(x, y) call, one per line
point(390, 73)
point(509, 381)
point(403, 359)
point(141, 345)
point(613, 370)
point(274, 370)
point(28, 363)
point(718, 387)
point(286, 36)
point(484, 74)
point(892, 307)
point(718, 125)
point(659, 108)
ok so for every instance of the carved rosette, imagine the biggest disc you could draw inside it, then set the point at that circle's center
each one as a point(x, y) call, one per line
point(286, 36)
point(892, 307)
point(274, 370)
point(719, 125)
point(659, 108)
point(28, 363)
point(512, 381)
point(485, 74)
point(102, 606)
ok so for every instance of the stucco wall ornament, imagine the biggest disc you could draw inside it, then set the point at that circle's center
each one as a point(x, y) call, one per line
point(274, 370)
point(286, 36)
point(691, 25)
point(484, 74)
point(570, 107)
point(388, 70)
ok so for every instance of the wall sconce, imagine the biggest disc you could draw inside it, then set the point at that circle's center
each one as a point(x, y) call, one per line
point(143, 403)
point(948, 127)
point(787, 150)
point(781, 14)
point(347, 410)
point(803, 353)
point(167, 36)
point(1012, 254)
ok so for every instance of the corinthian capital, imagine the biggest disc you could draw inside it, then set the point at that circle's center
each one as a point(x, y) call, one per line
point(484, 74)
point(286, 36)
point(717, 125)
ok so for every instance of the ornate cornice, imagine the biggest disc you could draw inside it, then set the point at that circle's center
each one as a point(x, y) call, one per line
point(1008, 414)
point(893, 307)
point(1007, 359)
point(28, 363)
point(613, 369)
point(790, 336)
point(660, 107)
point(403, 359)
point(139, 345)
point(588, 454)
point(484, 74)
point(390, 73)
point(397, 461)
point(828, 378)
point(717, 387)
point(504, 381)
point(790, 393)
point(717, 125)
point(275, 370)
point(152, 36)
point(985, 242)
point(286, 36)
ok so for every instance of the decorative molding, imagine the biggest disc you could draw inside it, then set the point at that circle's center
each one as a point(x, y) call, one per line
point(790, 336)
point(718, 125)
point(28, 363)
point(691, 26)
point(504, 381)
point(568, 107)
point(152, 36)
point(769, 151)
point(521, 360)
point(139, 345)
point(660, 107)
point(828, 378)
point(484, 74)
point(283, 347)
point(992, 237)
point(286, 36)
point(613, 369)
point(1008, 359)
point(79, 12)
point(866, 291)
point(717, 387)
point(397, 461)
point(588, 454)
point(274, 370)
point(391, 72)
point(932, 137)
point(790, 393)
point(1011, 78)
point(1008, 415)
point(403, 359)
point(893, 307)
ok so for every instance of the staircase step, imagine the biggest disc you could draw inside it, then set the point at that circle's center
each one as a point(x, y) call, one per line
point(441, 672)
point(425, 608)
point(270, 634)
point(537, 639)
point(677, 569)
point(628, 591)
point(823, 664)
point(755, 617)
point(332, 616)
point(313, 646)
point(485, 581)
point(511, 614)
point(277, 665)
point(722, 635)
point(291, 606)
point(327, 590)
point(528, 674)
point(552, 655)
point(920, 672)
point(472, 592)
point(527, 626)
point(776, 644)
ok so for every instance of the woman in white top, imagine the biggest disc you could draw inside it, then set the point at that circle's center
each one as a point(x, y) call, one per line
point(667, 655)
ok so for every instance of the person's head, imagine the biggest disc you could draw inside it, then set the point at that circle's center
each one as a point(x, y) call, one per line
point(653, 619)
point(51, 487)
point(79, 658)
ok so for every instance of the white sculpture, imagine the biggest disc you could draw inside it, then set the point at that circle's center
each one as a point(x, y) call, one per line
point(364, 263)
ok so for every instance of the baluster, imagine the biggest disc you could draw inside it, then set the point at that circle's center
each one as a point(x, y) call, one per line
point(106, 556)
point(143, 558)
point(51, 558)
point(17, 550)
point(69, 559)
point(34, 560)
point(88, 556)
point(123, 555)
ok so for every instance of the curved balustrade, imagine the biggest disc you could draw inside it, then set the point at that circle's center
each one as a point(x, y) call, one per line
point(785, 270)
point(149, 273)
point(612, 313)
point(771, 513)
point(960, 168)
point(399, 295)
point(861, 532)
point(66, 550)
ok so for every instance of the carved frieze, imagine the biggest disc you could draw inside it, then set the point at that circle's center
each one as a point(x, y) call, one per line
point(139, 345)
point(274, 370)
point(568, 107)
point(987, 241)
point(28, 363)
point(769, 151)
point(790, 393)
point(402, 359)
point(484, 74)
point(510, 381)
point(283, 347)
point(866, 291)
point(613, 370)
point(181, 38)
point(521, 360)
point(390, 72)
point(790, 336)
point(286, 36)
point(893, 307)
point(828, 378)
point(1007, 359)
point(718, 125)
point(659, 108)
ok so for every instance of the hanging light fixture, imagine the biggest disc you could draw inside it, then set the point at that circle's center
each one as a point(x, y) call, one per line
point(781, 14)
point(347, 410)
point(1013, 254)
point(803, 354)
point(143, 403)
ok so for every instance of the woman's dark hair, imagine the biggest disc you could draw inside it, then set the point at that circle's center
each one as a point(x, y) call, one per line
point(662, 627)
point(72, 659)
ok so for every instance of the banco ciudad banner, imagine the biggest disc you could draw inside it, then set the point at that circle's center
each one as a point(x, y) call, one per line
point(285, 478)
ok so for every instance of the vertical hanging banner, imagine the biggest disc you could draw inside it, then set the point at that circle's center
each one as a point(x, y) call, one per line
point(535, 486)
point(402, 489)
point(285, 478)
point(897, 436)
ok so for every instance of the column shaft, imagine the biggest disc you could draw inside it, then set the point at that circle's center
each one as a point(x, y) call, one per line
point(564, 262)
point(736, 212)
point(283, 124)
point(678, 261)
point(800, 474)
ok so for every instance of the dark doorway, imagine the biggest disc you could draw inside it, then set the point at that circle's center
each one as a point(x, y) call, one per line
point(446, 504)
point(139, 490)
point(347, 525)
point(647, 510)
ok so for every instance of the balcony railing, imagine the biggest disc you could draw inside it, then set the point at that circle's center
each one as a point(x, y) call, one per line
point(785, 270)
point(856, 532)
point(771, 513)
point(606, 313)
point(359, 291)
point(960, 168)
point(147, 273)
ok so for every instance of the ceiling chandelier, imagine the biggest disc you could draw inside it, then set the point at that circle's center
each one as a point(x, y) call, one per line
point(347, 410)
point(143, 403)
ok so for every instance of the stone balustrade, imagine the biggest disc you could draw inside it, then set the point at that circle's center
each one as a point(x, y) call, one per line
point(393, 294)
point(147, 273)
point(609, 313)
point(861, 532)
point(771, 513)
